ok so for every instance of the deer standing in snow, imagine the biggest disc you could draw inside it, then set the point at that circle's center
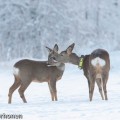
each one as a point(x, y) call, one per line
point(96, 67)
point(27, 71)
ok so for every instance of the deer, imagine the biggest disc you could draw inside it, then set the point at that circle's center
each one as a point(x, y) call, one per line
point(96, 67)
point(27, 71)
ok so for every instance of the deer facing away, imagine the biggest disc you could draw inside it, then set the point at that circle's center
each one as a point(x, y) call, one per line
point(27, 71)
point(96, 68)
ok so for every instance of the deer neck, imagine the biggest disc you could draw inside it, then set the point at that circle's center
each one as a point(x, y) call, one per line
point(61, 66)
point(74, 59)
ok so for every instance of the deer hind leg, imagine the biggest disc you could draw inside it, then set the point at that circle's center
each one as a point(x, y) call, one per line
point(15, 85)
point(99, 80)
point(22, 89)
point(105, 79)
point(53, 90)
point(92, 85)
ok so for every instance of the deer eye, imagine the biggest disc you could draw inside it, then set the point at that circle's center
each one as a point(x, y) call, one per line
point(53, 58)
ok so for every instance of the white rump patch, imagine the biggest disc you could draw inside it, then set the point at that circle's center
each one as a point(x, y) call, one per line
point(15, 71)
point(98, 61)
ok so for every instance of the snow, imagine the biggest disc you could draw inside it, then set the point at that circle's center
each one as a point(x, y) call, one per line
point(73, 102)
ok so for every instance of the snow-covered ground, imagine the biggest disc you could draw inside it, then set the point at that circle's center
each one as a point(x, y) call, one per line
point(73, 102)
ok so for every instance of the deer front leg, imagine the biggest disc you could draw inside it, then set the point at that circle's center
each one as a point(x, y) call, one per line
point(53, 90)
point(88, 80)
point(52, 96)
point(89, 87)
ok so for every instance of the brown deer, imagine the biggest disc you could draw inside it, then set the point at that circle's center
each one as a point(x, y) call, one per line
point(96, 67)
point(27, 71)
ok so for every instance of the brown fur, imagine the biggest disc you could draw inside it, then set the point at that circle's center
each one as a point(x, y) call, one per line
point(36, 71)
point(92, 73)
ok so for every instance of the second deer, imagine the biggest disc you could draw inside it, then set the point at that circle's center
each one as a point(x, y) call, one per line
point(96, 67)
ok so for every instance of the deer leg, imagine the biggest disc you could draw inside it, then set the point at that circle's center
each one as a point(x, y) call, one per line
point(21, 91)
point(56, 99)
point(52, 96)
point(105, 91)
point(53, 90)
point(104, 87)
point(98, 80)
point(89, 86)
point(15, 85)
point(92, 85)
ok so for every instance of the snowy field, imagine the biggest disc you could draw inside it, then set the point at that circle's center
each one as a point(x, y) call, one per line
point(73, 102)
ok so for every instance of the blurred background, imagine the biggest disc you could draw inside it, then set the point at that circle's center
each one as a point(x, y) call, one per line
point(27, 26)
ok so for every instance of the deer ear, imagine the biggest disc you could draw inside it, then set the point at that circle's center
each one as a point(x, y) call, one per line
point(56, 48)
point(49, 50)
point(70, 49)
